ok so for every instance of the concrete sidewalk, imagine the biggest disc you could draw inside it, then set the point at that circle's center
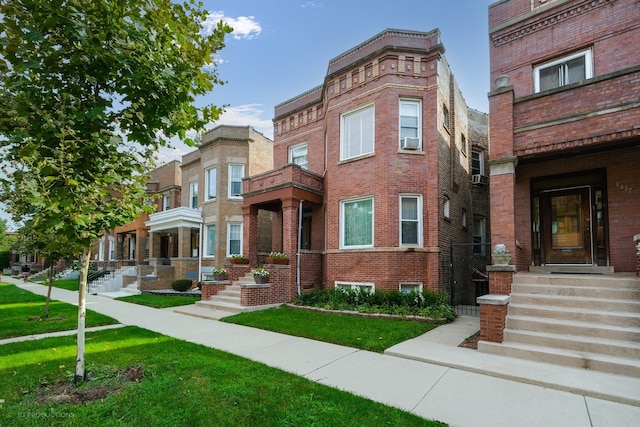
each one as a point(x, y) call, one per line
point(429, 375)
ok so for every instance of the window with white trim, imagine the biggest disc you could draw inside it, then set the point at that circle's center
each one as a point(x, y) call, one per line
point(356, 223)
point(193, 194)
point(357, 132)
point(463, 219)
point(234, 238)
point(479, 236)
point(564, 71)
point(410, 220)
point(211, 183)
point(410, 287)
point(236, 173)
point(210, 240)
point(166, 202)
point(410, 124)
point(371, 287)
point(298, 155)
point(477, 162)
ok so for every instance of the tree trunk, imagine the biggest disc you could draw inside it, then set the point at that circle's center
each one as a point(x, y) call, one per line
point(46, 303)
point(82, 314)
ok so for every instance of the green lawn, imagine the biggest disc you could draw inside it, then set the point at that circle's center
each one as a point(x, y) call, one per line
point(184, 384)
point(21, 313)
point(366, 333)
point(70, 285)
point(159, 301)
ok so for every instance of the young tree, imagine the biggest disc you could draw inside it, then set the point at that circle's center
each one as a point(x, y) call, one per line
point(88, 92)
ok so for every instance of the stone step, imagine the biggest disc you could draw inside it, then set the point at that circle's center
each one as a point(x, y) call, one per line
point(576, 328)
point(580, 291)
point(579, 344)
point(603, 304)
point(220, 305)
point(230, 293)
point(226, 299)
point(616, 281)
point(598, 362)
point(623, 319)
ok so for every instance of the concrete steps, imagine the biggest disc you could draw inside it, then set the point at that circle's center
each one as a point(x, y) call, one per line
point(226, 300)
point(587, 321)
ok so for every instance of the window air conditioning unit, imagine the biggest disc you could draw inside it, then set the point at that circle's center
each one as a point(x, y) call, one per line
point(478, 179)
point(410, 143)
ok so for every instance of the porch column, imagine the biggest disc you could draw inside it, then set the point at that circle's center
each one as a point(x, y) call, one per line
point(250, 233)
point(184, 242)
point(154, 245)
point(290, 209)
point(494, 306)
point(277, 232)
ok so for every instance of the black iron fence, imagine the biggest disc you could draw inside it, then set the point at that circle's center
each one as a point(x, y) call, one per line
point(467, 273)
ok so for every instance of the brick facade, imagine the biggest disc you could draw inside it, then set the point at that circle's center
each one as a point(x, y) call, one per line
point(392, 66)
point(580, 134)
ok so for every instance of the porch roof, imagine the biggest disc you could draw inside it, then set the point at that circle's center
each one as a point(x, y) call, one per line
point(181, 217)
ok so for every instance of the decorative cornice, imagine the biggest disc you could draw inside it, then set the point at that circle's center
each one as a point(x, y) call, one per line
point(501, 37)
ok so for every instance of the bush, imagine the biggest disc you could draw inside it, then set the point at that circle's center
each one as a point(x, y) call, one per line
point(181, 285)
point(429, 304)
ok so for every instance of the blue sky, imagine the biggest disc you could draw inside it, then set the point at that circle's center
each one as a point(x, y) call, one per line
point(282, 48)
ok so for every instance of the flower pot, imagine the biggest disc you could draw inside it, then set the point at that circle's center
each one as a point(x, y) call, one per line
point(501, 259)
point(261, 279)
point(239, 260)
point(281, 261)
point(219, 277)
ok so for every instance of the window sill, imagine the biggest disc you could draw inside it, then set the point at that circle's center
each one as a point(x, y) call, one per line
point(353, 159)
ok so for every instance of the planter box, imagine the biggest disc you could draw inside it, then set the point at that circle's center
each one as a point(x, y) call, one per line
point(219, 277)
point(281, 261)
point(239, 260)
point(260, 279)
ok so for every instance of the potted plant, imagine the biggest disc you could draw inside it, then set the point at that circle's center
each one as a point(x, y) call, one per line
point(277, 258)
point(500, 255)
point(219, 273)
point(260, 275)
point(239, 259)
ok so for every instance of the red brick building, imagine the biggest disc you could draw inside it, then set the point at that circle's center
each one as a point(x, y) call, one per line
point(372, 178)
point(565, 140)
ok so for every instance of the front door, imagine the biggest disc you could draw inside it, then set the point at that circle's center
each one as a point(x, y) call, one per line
point(567, 236)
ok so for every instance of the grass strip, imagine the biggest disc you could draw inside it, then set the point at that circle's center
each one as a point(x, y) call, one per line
point(366, 333)
point(183, 384)
point(22, 314)
point(159, 301)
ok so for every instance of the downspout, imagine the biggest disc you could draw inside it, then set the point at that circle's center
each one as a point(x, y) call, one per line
point(200, 254)
point(299, 246)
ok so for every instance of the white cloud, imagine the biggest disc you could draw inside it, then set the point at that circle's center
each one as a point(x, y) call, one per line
point(313, 5)
point(244, 27)
point(242, 115)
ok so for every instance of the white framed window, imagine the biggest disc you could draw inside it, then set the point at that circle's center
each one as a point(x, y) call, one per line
point(211, 183)
point(298, 155)
point(479, 236)
point(370, 287)
point(564, 71)
point(357, 132)
point(410, 124)
point(410, 287)
point(463, 144)
point(463, 219)
point(209, 240)
point(234, 238)
point(446, 207)
point(410, 220)
point(236, 173)
point(356, 223)
point(477, 162)
point(166, 202)
point(193, 194)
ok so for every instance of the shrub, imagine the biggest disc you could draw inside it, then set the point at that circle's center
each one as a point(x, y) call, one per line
point(181, 285)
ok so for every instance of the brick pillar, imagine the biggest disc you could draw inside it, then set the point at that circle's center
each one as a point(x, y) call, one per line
point(290, 211)
point(277, 232)
point(250, 233)
point(493, 315)
point(184, 242)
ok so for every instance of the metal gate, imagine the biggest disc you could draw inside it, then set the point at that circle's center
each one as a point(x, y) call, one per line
point(468, 277)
